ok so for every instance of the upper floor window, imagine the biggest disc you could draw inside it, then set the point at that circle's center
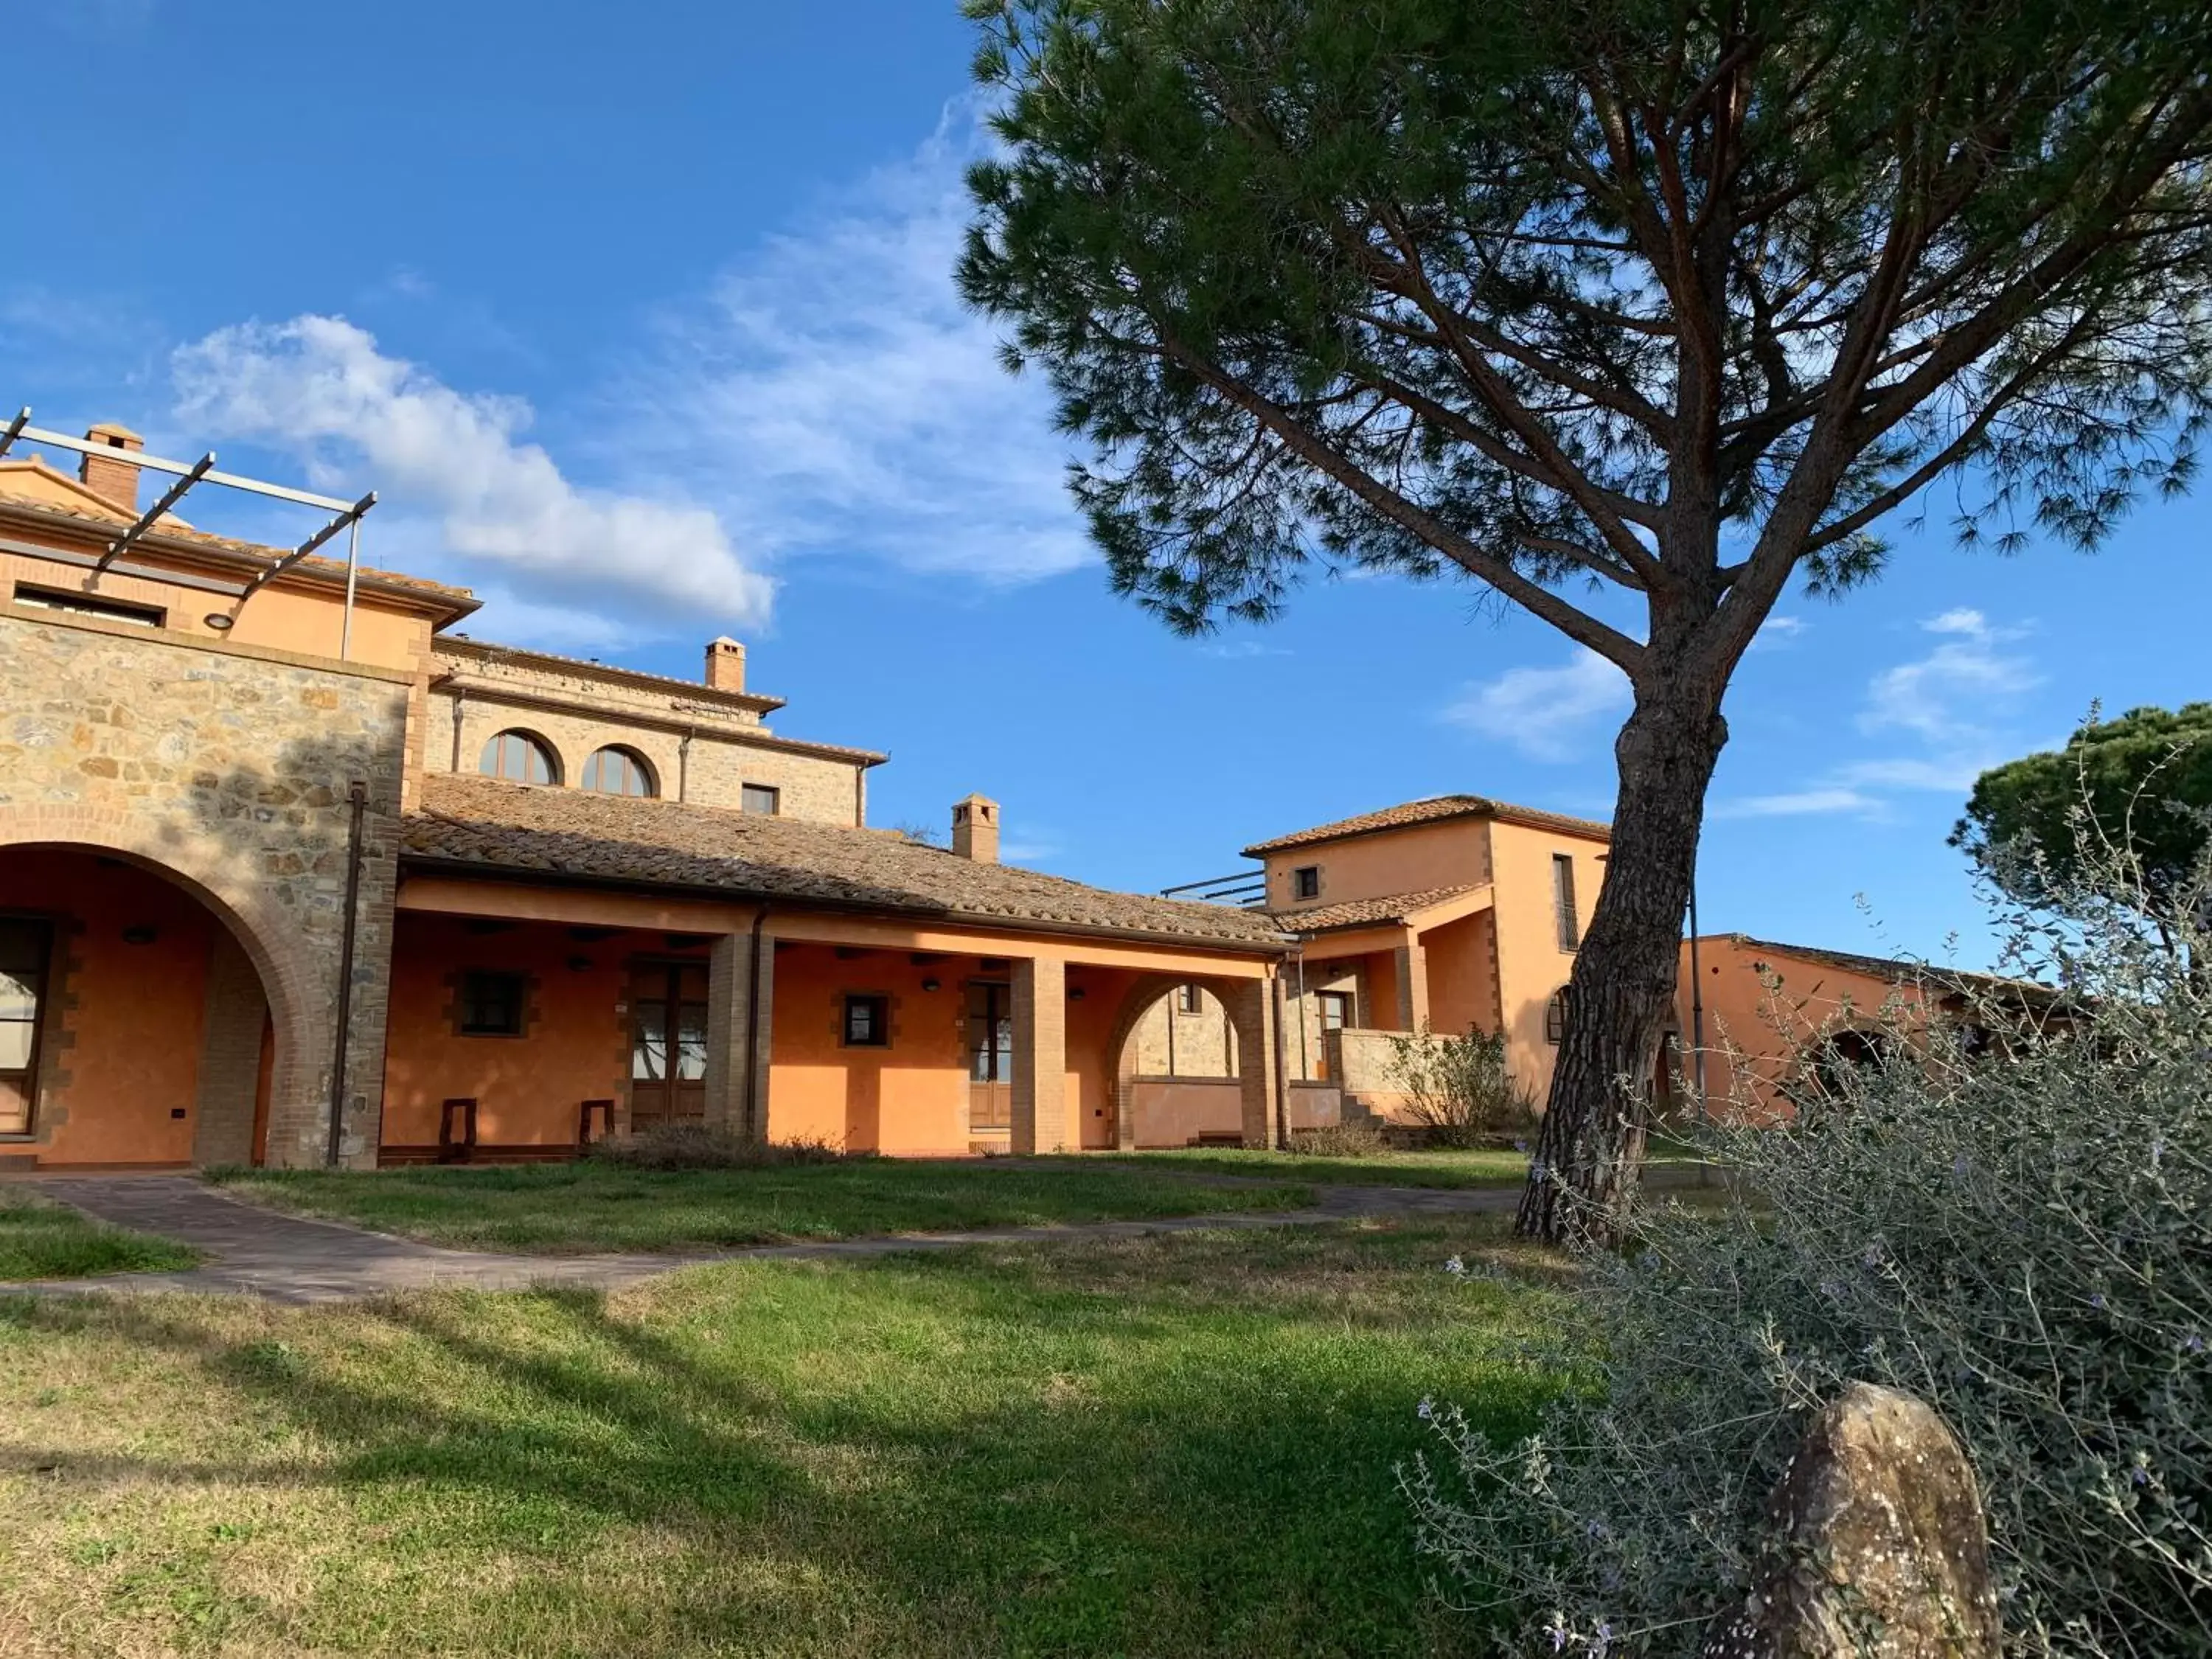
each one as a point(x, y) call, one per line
point(1305, 881)
point(519, 758)
point(762, 798)
point(618, 771)
point(1189, 999)
point(86, 605)
point(1563, 902)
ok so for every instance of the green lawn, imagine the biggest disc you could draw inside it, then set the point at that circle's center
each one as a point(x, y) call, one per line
point(1421, 1169)
point(597, 1206)
point(40, 1239)
point(1165, 1446)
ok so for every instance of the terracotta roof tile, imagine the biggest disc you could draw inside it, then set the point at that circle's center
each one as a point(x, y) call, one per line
point(657, 844)
point(1896, 969)
point(1367, 912)
point(1433, 810)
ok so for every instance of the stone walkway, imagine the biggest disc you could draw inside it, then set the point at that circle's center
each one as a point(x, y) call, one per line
point(254, 1251)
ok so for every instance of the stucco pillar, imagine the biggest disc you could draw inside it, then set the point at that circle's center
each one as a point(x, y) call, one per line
point(230, 1056)
point(1411, 963)
point(1251, 1005)
point(740, 1001)
point(1039, 1091)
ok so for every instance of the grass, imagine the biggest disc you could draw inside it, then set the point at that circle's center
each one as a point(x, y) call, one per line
point(1428, 1168)
point(40, 1239)
point(596, 1206)
point(1162, 1447)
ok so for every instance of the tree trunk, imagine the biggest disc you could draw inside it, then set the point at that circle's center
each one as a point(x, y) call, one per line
point(1589, 1147)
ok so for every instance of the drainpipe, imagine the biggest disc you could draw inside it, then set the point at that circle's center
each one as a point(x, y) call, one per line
point(460, 696)
point(1304, 1036)
point(684, 765)
point(752, 1032)
point(1282, 1070)
point(357, 799)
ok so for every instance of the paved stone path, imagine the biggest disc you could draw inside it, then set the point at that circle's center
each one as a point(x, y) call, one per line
point(260, 1252)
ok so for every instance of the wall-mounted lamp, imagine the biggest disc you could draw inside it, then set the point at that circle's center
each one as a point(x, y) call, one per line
point(140, 933)
point(217, 621)
point(930, 985)
point(580, 964)
point(1075, 993)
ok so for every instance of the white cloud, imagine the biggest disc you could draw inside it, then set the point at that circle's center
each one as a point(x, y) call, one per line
point(1941, 696)
point(1545, 713)
point(318, 388)
point(1777, 632)
point(1802, 803)
point(832, 393)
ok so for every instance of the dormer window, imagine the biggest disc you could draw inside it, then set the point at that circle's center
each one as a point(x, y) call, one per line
point(1305, 881)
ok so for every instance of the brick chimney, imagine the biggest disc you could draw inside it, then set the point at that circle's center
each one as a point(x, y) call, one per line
point(725, 665)
point(975, 828)
point(115, 482)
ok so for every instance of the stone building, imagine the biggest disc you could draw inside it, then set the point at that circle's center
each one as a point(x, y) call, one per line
point(292, 870)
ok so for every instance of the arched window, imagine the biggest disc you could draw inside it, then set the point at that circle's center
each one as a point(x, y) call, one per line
point(618, 771)
point(1555, 1017)
point(519, 758)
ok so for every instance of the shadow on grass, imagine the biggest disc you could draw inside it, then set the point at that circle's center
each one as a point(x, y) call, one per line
point(1159, 1447)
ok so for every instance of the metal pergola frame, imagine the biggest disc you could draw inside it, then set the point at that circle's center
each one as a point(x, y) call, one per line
point(189, 474)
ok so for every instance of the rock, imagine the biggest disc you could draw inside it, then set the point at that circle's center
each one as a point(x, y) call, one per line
point(1876, 1545)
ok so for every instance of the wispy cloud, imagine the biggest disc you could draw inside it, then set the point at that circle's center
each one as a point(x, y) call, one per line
point(1950, 705)
point(1779, 632)
point(318, 388)
point(1546, 713)
point(832, 393)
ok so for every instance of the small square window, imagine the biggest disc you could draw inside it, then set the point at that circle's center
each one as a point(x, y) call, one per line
point(1190, 999)
point(867, 1022)
point(1305, 881)
point(491, 1004)
point(761, 799)
point(1335, 1009)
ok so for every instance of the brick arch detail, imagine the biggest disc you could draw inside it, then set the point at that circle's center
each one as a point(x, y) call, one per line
point(1247, 1003)
point(296, 981)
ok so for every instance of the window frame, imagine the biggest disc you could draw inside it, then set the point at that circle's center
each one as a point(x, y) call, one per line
point(747, 793)
point(1340, 1001)
point(1555, 1017)
point(1565, 912)
point(532, 743)
point(632, 761)
point(880, 1004)
point(468, 1001)
point(1190, 998)
point(1305, 882)
point(100, 609)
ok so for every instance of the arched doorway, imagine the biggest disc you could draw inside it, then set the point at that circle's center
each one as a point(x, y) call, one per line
point(1218, 1083)
point(137, 1023)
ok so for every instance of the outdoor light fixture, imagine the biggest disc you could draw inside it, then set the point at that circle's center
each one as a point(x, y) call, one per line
point(140, 933)
point(1075, 993)
point(580, 964)
point(217, 621)
point(929, 985)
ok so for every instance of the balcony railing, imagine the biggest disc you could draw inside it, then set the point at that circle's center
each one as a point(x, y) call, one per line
point(1246, 888)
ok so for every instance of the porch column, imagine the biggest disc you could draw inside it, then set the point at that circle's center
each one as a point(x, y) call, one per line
point(1411, 962)
point(1252, 1010)
point(1039, 1091)
point(740, 1007)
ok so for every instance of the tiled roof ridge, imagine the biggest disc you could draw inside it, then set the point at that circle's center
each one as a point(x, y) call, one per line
point(1429, 808)
point(710, 693)
point(1900, 967)
point(1360, 913)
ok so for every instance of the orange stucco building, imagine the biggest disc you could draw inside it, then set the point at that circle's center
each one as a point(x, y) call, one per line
point(292, 869)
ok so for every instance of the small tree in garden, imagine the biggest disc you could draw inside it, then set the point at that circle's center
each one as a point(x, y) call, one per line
point(1628, 312)
point(1458, 1088)
point(2019, 1234)
point(2139, 787)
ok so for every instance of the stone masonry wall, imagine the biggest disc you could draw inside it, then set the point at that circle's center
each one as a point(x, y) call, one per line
point(226, 770)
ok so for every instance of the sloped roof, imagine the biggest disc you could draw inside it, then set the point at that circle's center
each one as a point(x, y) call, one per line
point(1896, 969)
point(510, 828)
point(30, 487)
point(1368, 912)
point(1433, 810)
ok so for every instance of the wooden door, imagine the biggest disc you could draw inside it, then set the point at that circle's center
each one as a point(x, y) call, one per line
point(668, 1043)
point(990, 1057)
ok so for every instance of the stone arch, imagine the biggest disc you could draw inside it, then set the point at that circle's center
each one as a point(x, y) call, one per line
point(1250, 1005)
point(295, 983)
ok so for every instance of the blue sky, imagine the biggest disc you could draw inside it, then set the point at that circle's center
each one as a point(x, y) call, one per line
point(639, 321)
